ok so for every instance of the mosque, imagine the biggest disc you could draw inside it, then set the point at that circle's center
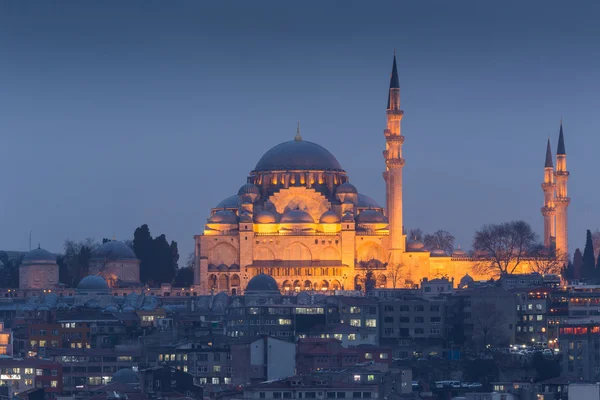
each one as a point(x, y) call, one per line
point(300, 220)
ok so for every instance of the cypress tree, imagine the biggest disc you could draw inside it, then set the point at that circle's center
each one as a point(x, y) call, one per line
point(589, 261)
point(577, 264)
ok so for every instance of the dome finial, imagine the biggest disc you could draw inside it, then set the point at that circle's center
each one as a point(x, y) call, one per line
point(298, 138)
point(39, 247)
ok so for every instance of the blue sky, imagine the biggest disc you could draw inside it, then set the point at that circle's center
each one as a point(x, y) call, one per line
point(114, 114)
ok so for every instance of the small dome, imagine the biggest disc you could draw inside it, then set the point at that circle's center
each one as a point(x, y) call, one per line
point(466, 280)
point(92, 282)
point(371, 217)
point(114, 250)
point(366, 201)
point(329, 217)
point(223, 217)
point(125, 375)
point(111, 309)
point(297, 217)
point(249, 188)
point(415, 245)
point(459, 253)
point(262, 283)
point(346, 187)
point(128, 309)
point(37, 256)
point(230, 202)
point(265, 217)
point(222, 267)
point(438, 253)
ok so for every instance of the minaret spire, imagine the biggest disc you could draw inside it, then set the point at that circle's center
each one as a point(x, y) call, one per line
point(548, 210)
point(394, 82)
point(561, 142)
point(562, 200)
point(298, 138)
point(548, 163)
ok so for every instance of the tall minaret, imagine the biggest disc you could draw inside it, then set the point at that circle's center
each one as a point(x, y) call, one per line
point(548, 210)
point(562, 200)
point(393, 174)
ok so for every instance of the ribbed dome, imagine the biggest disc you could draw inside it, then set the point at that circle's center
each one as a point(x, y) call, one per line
point(223, 217)
point(125, 375)
point(265, 217)
point(114, 250)
point(298, 155)
point(38, 255)
point(329, 217)
point(297, 217)
point(262, 283)
point(92, 282)
point(371, 217)
point(346, 187)
point(249, 188)
point(459, 253)
point(415, 245)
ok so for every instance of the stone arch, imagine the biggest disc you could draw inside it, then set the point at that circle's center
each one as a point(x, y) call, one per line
point(307, 285)
point(286, 286)
point(370, 251)
point(381, 281)
point(324, 285)
point(297, 252)
point(224, 253)
point(297, 285)
point(336, 285)
point(330, 253)
point(235, 280)
point(264, 253)
point(223, 282)
point(212, 281)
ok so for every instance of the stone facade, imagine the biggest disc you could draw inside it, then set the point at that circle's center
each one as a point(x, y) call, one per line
point(38, 270)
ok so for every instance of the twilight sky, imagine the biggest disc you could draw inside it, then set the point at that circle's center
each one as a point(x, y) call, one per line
point(114, 114)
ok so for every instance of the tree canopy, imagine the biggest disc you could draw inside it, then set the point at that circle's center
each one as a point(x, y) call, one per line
point(158, 258)
point(501, 248)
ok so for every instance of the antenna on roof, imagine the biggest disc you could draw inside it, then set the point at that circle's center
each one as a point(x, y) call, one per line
point(30, 240)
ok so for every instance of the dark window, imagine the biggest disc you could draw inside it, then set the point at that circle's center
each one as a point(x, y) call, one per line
point(389, 319)
point(404, 320)
point(341, 395)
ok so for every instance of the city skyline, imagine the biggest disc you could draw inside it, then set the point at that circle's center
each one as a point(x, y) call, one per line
point(110, 134)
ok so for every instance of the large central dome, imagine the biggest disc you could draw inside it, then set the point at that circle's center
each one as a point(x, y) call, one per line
point(298, 155)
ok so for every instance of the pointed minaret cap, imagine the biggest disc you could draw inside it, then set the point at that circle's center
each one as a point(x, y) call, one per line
point(548, 163)
point(298, 138)
point(394, 82)
point(561, 142)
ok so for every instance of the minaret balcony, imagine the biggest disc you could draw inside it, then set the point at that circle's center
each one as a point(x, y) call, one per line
point(394, 162)
point(548, 211)
point(561, 173)
point(562, 201)
point(395, 112)
point(547, 186)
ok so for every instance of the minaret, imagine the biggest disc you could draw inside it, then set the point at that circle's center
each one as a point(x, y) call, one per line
point(548, 210)
point(393, 174)
point(562, 200)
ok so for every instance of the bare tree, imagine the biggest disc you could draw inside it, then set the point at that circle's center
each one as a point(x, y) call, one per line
point(394, 273)
point(368, 276)
point(416, 234)
point(440, 240)
point(191, 260)
point(487, 322)
point(596, 242)
point(545, 261)
point(501, 248)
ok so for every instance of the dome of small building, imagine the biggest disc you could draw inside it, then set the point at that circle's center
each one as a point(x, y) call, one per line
point(298, 155)
point(111, 309)
point(371, 217)
point(459, 253)
point(329, 217)
point(346, 187)
point(438, 253)
point(38, 256)
point(265, 217)
point(223, 217)
point(297, 217)
point(249, 188)
point(114, 250)
point(125, 375)
point(92, 282)
point(466, 280)
point(262, 283)
point(415, 245)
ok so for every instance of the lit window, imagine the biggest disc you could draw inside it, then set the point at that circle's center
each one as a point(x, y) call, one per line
point(28, 382)
point(383, 356)
point(356, 378)
point(540, 317)
point(370, 378)
point(53, 384)
point(28, 371)
point(284, 321)
point(337, 336)
point(39, 372)
point(369, 356)
point(185, 369)
point(227, 381)
point(352, 336)
point(355, 322)
point(215, 381)
point(371, 323)
point(216, 368)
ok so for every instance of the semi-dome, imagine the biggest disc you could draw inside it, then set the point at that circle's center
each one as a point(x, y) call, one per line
point(415, 245)
point(37, 256)
point(262, 283)
point(223, 217)
point(371, 217)
point(298, 155)
point(125, 375)
point(345, 188)
point(249, 188)
point(297, 217)
point(92, 282)
point(265, 217)
point(114, 250)
point(329, 217)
